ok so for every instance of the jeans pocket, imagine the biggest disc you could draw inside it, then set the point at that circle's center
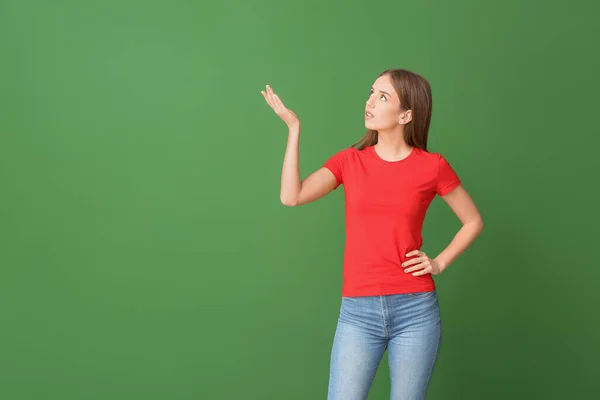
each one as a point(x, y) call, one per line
point(423, 295)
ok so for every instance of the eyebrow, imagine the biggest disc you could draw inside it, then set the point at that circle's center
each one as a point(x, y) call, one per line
point(382, 92)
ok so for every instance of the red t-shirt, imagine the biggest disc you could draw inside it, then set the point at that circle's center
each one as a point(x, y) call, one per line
point(386, 202)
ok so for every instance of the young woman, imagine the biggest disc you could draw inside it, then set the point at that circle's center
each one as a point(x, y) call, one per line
point(389, 299)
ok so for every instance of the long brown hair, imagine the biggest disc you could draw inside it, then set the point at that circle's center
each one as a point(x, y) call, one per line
point(414, 93)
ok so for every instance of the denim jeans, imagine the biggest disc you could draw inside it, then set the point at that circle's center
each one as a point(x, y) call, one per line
point(407, 325)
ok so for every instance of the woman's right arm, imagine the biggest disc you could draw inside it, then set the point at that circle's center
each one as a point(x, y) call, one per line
point(295, 192)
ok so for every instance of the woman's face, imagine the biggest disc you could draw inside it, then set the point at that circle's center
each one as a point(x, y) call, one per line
point(383, 106)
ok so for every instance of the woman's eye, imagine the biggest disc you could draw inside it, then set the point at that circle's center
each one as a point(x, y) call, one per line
point(382, 96)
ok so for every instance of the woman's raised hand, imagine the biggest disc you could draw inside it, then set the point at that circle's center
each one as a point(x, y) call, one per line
point(287, 115)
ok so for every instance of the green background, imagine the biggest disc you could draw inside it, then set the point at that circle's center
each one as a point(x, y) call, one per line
point(145, 253)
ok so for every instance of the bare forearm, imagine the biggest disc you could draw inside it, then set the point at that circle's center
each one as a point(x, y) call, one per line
point(463, 239)
point(290, 173)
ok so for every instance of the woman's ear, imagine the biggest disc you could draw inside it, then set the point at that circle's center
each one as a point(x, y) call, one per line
point(405, 117)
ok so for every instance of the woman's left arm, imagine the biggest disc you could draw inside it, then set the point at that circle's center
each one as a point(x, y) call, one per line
point(461, 203)
point(465, 209)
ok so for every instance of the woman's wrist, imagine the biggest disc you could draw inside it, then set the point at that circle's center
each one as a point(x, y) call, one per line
point(294, 129)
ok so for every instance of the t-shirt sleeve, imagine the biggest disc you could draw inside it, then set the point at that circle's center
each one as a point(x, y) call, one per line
point(447, 179)
point(336, 165)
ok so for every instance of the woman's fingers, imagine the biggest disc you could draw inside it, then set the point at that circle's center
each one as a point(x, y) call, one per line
point(269, 96)
point(414, 267)
point(274, 100)
point(278, 103)
point(264, 93)
point(287, 115)
point(422, 272)
point(414, 261)
point(266, 96)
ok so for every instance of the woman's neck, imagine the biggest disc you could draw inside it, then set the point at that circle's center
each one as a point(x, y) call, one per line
point(392, 145)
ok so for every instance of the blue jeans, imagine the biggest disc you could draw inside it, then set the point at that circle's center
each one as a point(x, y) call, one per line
point(407, 325)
